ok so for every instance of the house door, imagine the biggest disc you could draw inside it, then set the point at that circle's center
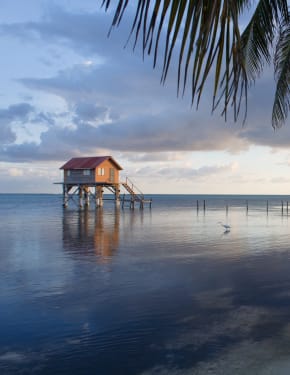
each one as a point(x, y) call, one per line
point(112, 175)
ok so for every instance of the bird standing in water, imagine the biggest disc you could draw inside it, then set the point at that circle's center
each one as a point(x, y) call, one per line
point(225, 226)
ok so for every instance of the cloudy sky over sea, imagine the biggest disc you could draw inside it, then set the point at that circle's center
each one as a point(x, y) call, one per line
point(66, 90)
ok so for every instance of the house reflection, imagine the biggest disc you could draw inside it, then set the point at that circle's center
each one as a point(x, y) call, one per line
point(90, 232)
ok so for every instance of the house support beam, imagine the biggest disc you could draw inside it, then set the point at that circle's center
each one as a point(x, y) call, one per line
point(81, 203)
point(65, 196)
point(117, 195)
point(99, 196)
point(87, 196)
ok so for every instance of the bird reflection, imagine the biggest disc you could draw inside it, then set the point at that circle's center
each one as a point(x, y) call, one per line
point(89, 232)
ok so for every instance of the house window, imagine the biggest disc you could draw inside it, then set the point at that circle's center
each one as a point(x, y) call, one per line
point(101, 171)
point(86, 172)
point(68, 173)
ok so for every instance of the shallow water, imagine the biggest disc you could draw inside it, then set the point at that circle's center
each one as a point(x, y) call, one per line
point(161, 291)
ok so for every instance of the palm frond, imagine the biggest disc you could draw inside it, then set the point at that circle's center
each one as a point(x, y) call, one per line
point(206, 37)
point(281, 105)
point(257, 38)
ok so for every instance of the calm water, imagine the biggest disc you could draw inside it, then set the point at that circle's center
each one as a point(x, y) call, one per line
point(165, 291)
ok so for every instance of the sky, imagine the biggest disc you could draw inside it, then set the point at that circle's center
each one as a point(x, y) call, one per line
point(69, 90)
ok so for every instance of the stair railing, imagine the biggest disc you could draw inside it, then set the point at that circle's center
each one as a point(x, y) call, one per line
point(134, 188)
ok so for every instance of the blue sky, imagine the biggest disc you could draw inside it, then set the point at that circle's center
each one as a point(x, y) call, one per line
point(68, 90)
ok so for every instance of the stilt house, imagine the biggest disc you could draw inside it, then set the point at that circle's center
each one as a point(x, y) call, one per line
point(86, 177)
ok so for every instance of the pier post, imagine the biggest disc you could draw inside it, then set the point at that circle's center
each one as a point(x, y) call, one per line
point(132, 204)
point(99, 196)
point(197, 206)
point(80, 197)
point(65, 195)
point(204, 205)
point(87, 196)
point(96, 196)
point(247, 206)
point(267, 207)
point(282, 207)
point(117, 196)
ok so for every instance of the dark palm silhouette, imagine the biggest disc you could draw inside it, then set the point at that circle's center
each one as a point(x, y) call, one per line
point(209, 42)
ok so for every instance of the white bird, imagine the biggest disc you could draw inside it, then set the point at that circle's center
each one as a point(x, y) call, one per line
point(225, 226)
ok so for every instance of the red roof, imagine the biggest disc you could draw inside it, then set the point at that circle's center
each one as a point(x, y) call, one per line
point(88, 162)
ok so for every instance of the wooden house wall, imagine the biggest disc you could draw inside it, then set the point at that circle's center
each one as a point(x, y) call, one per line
point(77, 175)
point(107, 165)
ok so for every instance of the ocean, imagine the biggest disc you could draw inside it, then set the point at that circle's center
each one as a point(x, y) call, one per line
point(165, 290)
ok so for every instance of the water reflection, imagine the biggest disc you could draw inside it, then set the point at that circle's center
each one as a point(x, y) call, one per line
point(90, 232)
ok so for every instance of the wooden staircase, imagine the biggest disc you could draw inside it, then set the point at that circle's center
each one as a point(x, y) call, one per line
point(135, 195)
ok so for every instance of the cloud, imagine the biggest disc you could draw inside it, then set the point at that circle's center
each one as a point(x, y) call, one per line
point(113, 100)
point(189, 172)
point(146, 135)
point(154, 157)
point(56, 27)
point(91, 113)
point(15, 172)
point(14, 113)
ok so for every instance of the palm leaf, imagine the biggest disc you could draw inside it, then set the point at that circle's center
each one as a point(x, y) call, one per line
point(206, 36)
point(258, 36)
point(281, 105)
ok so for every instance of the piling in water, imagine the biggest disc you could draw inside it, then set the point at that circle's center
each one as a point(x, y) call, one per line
point(282, 207)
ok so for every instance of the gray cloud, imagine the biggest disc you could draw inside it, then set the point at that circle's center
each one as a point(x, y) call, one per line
point(84, 32)
point(118, 104)
point(6, 134)
point(89, 111)
point(16, 112)
point(187, 173)
point(146, 134)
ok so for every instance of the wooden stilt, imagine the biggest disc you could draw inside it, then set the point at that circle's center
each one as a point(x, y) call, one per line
point(117, 196)
point(99, 196)
point(87, 196)
point(80, 197)
point(65, 196)
point(96, 196)
point(132, 204)
point(282, 207)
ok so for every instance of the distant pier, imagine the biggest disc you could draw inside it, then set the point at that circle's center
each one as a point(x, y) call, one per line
point(283, 207)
